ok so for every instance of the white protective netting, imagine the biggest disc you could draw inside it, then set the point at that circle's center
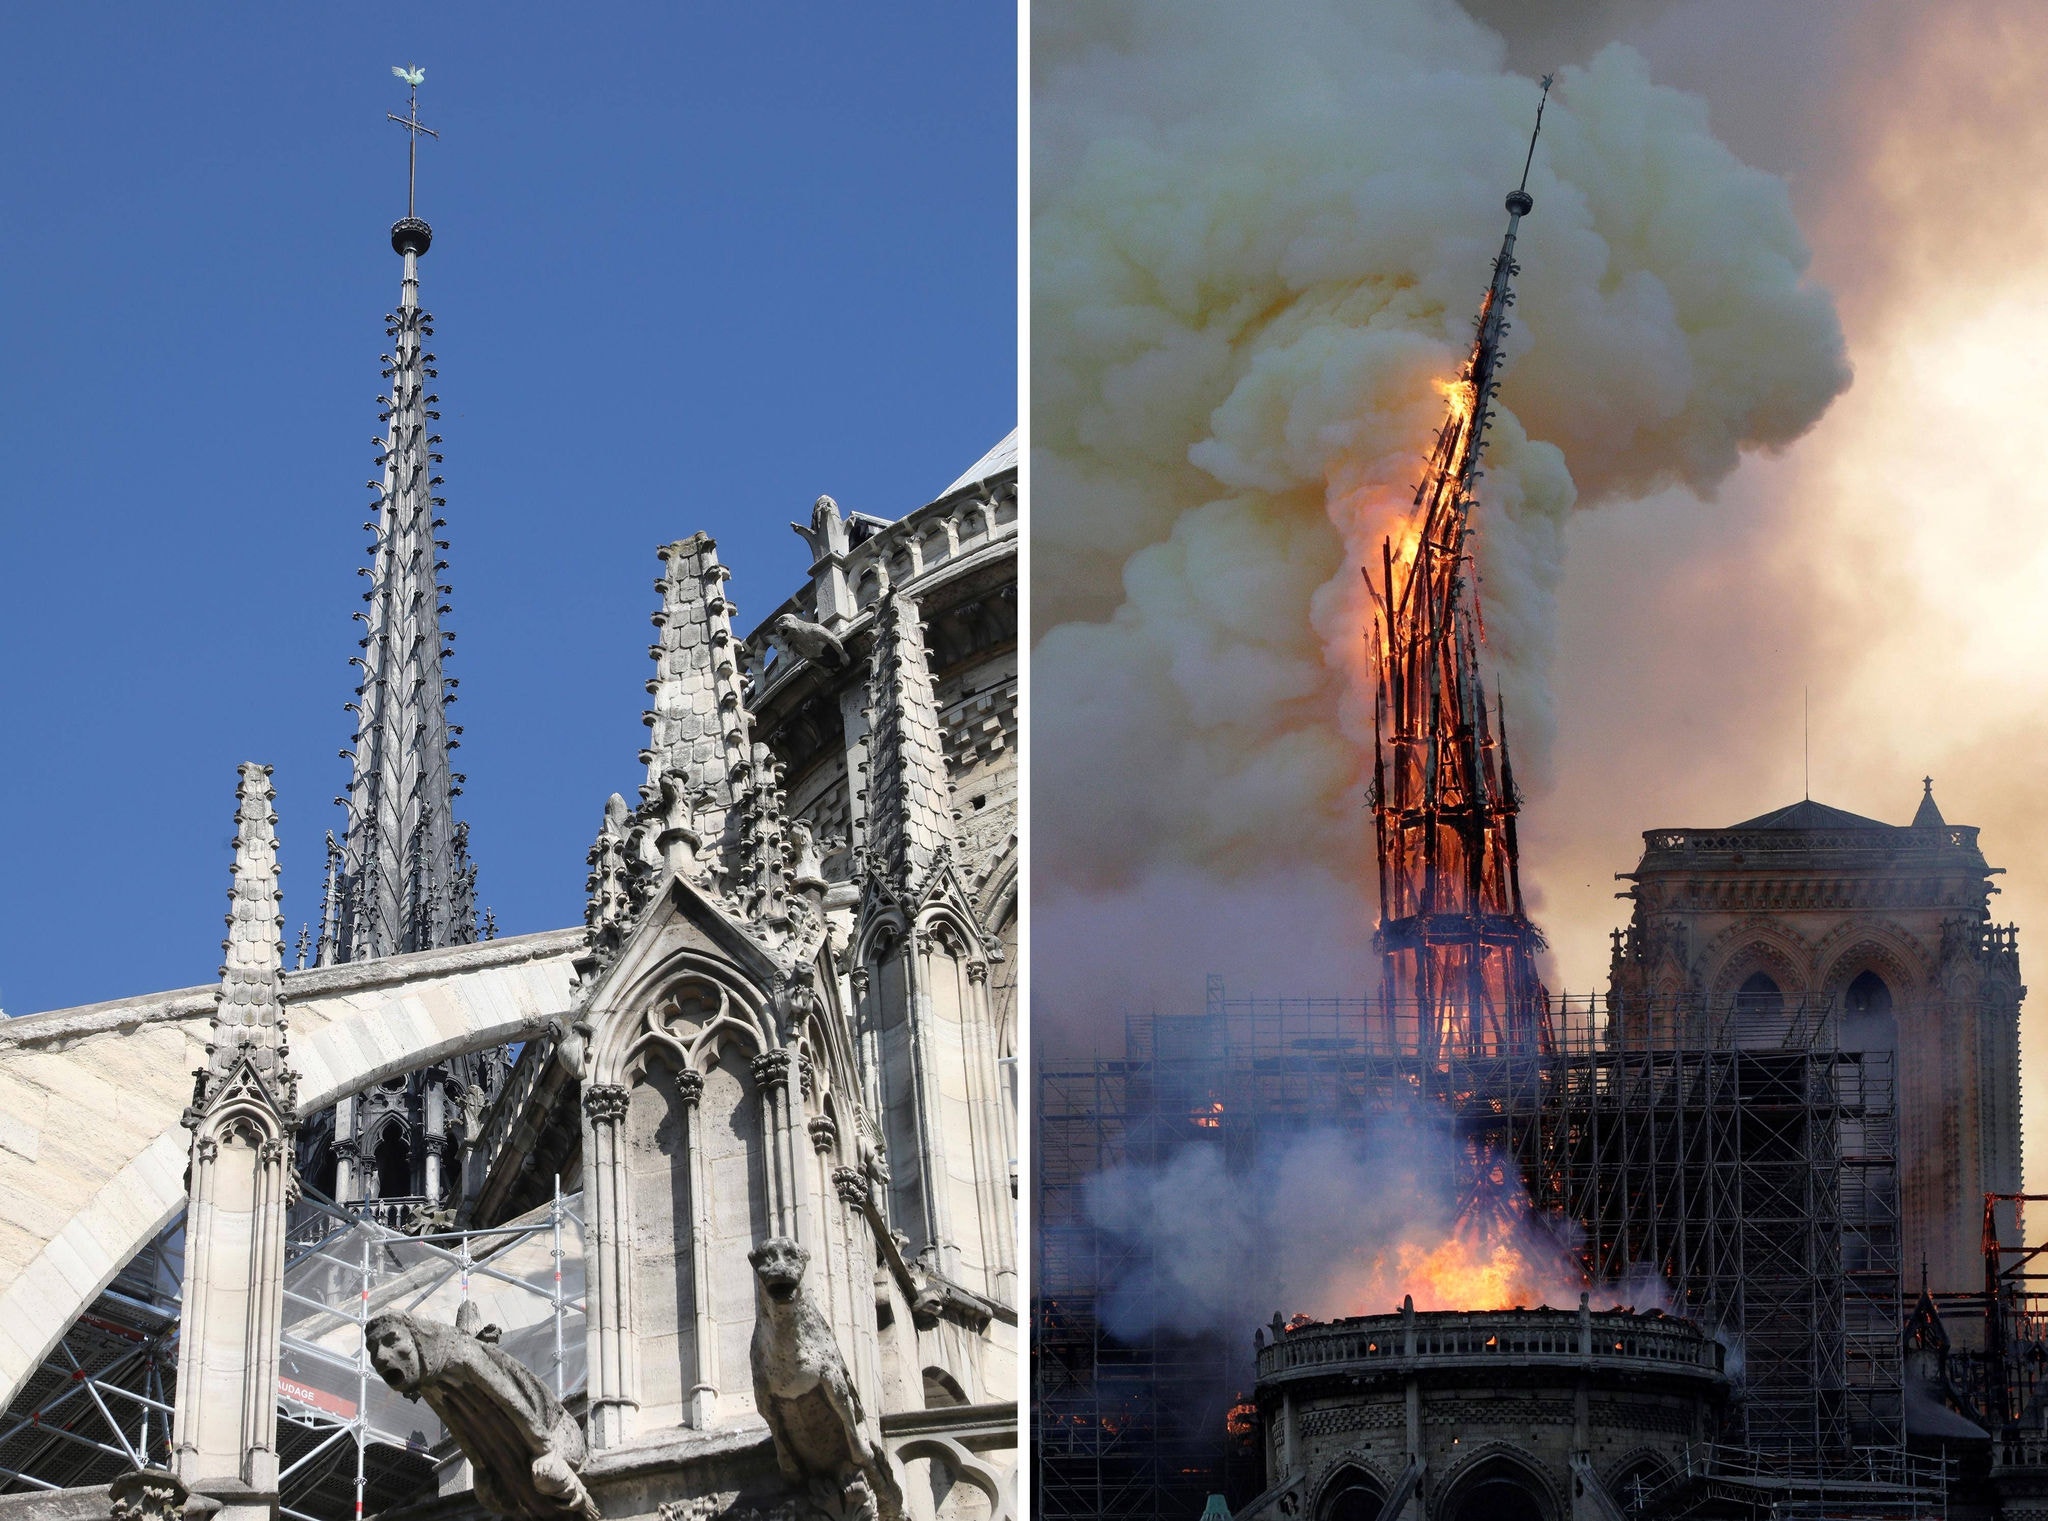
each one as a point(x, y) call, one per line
point(360, 1270)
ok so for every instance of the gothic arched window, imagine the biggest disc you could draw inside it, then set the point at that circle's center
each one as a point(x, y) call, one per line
point(1759, 994)
point(1758, 1018)
point(394, 1164)
point(326, 1172)
point(1498, 1490)
point(1868, 1021)
point(1636, 1484)
point(1868, 994)
point(1352, 1497)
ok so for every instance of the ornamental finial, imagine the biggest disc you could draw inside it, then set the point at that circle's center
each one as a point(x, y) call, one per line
point(1520, 202)
point(414, 77)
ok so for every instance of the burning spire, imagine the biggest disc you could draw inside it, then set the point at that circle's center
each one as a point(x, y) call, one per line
point(1455, 942)
point(403, 880)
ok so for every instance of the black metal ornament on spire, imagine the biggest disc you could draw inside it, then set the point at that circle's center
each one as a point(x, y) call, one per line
point(402, 880)
point(1455, 942)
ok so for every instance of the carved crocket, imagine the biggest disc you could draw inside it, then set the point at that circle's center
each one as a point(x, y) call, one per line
point(524, 1448)
point(824, 1443)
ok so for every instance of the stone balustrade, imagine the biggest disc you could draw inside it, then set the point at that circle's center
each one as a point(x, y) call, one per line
point(2020, 1447)
point(1409, 1339)
point(1806, 841)
point(907, 550)
point(902, 555)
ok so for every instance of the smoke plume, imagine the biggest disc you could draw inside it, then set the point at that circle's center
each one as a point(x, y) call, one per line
point(1220, 1252)
point(1259, 238)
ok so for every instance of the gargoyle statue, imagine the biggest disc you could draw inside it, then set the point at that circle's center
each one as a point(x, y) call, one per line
point(824, 1443)
point(524, 1447)
point(808, 641)
point(827, 534)
point(807, 859)
point(148, 1494)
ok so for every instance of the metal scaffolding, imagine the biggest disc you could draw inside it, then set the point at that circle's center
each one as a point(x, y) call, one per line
point(1761, 1185)
point(101, 1404)
point(1752, 1165)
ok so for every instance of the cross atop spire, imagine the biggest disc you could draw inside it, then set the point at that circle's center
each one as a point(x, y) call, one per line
point(1521, 190)
point(415, 76)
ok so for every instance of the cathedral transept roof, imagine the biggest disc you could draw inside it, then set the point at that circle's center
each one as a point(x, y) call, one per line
point(1807, 814)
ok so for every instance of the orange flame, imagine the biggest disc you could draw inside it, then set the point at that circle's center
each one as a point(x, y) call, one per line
point(1463, 1271)
point(1407, 541)
point(1210, 1118)
point(1458, 395)
point(1458, 1276)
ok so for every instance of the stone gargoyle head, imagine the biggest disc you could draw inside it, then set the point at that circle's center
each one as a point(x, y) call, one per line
point(779, 1263)
point(395, 1352)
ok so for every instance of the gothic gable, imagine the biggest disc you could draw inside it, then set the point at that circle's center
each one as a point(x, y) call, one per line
point(681, 921)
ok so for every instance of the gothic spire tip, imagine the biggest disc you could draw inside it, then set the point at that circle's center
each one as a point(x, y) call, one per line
point(1520, 202)
point(410, 234)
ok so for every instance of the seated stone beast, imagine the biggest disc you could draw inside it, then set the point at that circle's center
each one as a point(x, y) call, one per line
point(823, 1440)
point(524, 1447)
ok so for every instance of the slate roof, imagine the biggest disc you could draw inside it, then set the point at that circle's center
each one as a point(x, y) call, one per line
point(1807, 814)
point(1002, 457)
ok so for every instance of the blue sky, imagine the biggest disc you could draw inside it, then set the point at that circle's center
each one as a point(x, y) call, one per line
point(692, 266)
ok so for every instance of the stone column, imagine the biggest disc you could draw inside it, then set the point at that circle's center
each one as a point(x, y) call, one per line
point(772, 1071)
point(347, 1153)
point(992, 1163)
point(941, 1249)
point(609, 1332)
point(703, 1402)
point(852, 1187)
point(434, 1120)
point(829, 1244)
point(1412, 1403)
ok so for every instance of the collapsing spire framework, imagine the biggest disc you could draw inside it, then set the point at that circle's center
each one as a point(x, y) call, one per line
point(401, 879)
point(1454, 939)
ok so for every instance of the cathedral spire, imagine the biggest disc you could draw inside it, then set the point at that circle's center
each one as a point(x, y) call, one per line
point(1455, 944)
point(404, 881)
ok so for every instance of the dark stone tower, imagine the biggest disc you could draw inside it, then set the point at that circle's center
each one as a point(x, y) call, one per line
point(1816, 923)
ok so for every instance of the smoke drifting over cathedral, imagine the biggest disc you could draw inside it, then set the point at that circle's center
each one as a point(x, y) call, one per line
point(1257, 248)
